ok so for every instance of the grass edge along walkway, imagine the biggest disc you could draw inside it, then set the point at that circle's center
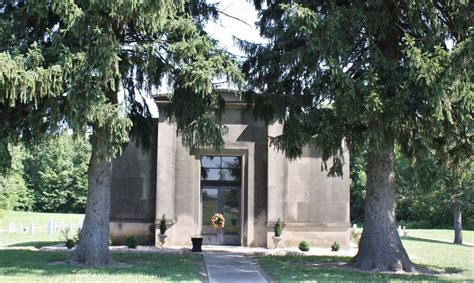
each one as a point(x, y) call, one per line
point(34, 266)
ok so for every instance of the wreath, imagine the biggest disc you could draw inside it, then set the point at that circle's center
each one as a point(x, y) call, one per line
point(217, 221)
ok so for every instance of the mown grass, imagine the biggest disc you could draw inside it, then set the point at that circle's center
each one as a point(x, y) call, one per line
point(442, 234)
point(302, 268)
point(40, 237)
point(35, 266)
point(442, 255)
point(458, 261)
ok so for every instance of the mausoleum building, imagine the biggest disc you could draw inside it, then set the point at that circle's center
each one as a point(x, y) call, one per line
point(249, 182)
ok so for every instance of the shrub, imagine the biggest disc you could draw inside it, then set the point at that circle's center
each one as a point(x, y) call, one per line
point(163, 225)
point(70, 243)
point(303, 246)
point(278, 227)
point(335, 246)
point(131, 242)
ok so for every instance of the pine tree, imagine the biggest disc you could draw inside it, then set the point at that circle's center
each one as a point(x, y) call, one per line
point(63, 64)
point(374, 73)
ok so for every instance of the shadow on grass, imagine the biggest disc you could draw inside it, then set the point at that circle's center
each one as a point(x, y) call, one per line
point(37, 244)
point(432, 241)
point(324, 268)
point(33, 265)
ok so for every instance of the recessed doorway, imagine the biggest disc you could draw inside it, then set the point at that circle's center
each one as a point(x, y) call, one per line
point(221, 193)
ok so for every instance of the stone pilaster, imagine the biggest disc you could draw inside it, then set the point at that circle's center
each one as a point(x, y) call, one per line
point(166, 170)
point(276, 183)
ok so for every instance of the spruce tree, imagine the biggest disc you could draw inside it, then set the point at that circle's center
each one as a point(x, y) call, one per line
point(373, 73)
point(63, 64)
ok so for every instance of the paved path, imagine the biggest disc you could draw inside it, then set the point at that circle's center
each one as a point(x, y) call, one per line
point(230, 267)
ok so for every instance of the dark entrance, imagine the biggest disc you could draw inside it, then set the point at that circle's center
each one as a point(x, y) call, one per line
point(220, 189)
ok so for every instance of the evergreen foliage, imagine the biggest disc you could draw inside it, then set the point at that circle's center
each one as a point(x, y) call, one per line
point(63, 65)
point(278, 229)
point(374, 73)
point(163, 225)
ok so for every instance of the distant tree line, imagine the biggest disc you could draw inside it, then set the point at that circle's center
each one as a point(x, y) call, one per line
point(423, 200)
point(51, 177)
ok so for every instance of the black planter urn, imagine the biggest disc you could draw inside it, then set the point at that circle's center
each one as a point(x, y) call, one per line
point(197, 244)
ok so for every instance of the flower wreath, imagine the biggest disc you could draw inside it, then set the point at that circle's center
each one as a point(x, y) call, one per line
point(217, 221)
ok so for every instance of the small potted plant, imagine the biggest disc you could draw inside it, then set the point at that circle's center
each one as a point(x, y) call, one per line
point(278, 229)
point(163, 228)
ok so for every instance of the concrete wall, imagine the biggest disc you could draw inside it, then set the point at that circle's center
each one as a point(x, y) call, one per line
point(133, 194)
point(178, 174)
point(166, 181)
point(316, 206)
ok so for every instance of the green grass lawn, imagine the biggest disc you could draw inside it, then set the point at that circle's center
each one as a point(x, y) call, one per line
point(459, 260)
point(442, 255)
point(442, 234)
point(40, 220)
point(35, 266)
point(29, 266)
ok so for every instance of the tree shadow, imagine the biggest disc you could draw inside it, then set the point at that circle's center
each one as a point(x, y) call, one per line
point(28, 265)
point(36, 244)
point(432, 241)
point(340, 269)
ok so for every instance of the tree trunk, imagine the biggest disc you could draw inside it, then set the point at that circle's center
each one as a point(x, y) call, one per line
point(93, 247)
point(380, 247)
point(457, 223)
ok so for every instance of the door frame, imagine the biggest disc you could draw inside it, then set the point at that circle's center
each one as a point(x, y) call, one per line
point(243, 202)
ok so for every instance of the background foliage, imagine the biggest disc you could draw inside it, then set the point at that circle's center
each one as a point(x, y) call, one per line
point(418, 206)
point(56, 174)
point(14, 193)
point(50, 177)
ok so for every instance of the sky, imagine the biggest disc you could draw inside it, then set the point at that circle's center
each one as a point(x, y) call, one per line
point(226, 27)
point(224, 30)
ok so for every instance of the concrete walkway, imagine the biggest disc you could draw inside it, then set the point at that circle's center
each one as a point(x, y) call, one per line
point(230, 267)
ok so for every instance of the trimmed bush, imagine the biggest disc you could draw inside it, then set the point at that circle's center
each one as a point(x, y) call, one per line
point(335, 246)
point(163, 225)
point(70, 243)
point(131, 242)
point(278, 227)
point(303, 246)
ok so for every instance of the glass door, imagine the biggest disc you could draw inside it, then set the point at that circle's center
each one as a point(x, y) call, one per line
point(220, 189)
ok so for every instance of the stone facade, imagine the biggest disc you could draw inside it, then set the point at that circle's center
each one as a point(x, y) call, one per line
point(168, 180)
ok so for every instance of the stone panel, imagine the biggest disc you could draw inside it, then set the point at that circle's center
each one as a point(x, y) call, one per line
point(132, 210)
point(312, 196)
point(127, 188)
point(133, 186)
point(144, 232)
point(317, 236)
